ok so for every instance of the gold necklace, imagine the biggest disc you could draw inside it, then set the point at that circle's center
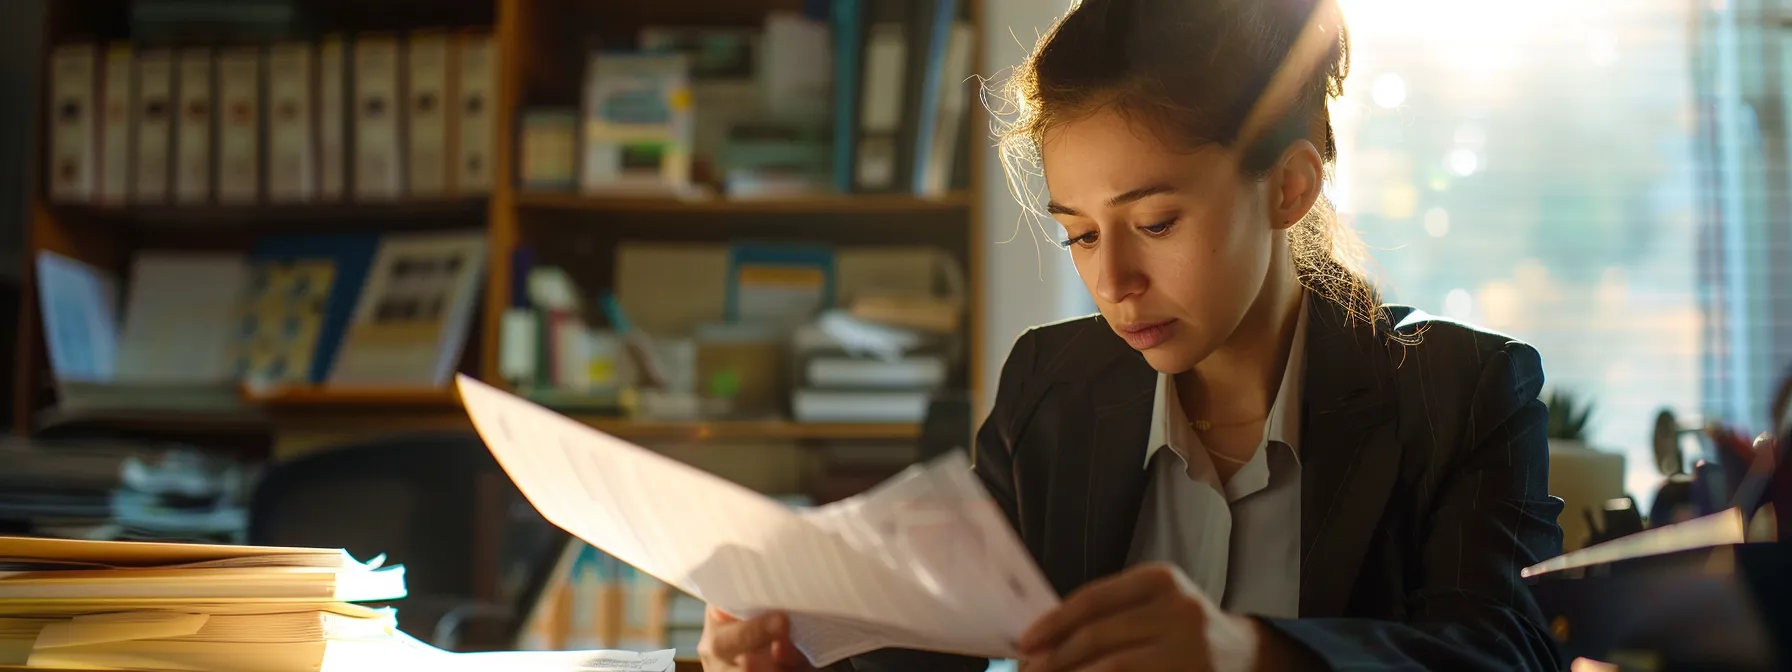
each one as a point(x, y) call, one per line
point(1204, 425)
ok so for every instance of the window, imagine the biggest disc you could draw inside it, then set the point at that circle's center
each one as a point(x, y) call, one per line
point(1529, 166)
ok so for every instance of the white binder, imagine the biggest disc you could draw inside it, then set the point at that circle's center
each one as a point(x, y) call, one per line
point(73, 136)
point(379, 165)
point(428, 119)
point(193, 128)
point(332, 110)
point(477, 113)
point(292, 167)
point(115, 125)
point(239, 125)
point(154, 119)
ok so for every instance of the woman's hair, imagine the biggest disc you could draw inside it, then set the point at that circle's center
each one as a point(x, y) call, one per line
point(1252, 76)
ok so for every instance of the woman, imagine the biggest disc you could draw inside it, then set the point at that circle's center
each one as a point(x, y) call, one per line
point(1243, 462)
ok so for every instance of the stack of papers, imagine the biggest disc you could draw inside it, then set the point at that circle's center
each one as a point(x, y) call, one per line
point(102, 605)
point(924, 561)
point(85, 605)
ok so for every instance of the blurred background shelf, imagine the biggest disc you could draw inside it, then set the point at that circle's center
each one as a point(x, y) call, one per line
point(823, 204)
point(751, 429)
point(341, 398)
point(431, 213)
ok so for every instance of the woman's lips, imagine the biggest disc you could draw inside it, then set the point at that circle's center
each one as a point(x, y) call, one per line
point(1146, 335)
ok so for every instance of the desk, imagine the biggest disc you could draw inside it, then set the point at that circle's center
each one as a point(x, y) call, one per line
point(682, 666)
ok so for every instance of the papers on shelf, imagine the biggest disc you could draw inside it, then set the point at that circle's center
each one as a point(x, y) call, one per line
point(925, 561)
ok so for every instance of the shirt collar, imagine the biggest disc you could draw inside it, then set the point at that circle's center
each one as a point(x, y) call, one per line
point(1283, 424)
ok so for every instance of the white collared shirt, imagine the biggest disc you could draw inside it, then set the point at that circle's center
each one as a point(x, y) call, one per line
point(1240, 541)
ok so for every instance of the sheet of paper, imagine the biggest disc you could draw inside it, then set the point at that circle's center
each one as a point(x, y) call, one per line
point(400, 651)
point(566, 661)
point(748, 554)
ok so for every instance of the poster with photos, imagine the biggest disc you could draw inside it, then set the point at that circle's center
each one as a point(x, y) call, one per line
point(414, 313)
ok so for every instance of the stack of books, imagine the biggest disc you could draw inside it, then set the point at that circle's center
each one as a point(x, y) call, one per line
point(86, 605)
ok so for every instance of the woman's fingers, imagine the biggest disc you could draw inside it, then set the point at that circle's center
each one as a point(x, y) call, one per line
point(728, 638)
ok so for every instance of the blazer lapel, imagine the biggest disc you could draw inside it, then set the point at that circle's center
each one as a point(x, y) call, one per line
point(1117, 476)
point(1096, 468)
point(1349, 455)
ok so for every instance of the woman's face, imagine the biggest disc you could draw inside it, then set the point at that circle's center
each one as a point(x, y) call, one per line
point(1173, 246)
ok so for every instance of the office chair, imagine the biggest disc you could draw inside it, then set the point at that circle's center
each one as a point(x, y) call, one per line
point(436, 503)
point(947, 426)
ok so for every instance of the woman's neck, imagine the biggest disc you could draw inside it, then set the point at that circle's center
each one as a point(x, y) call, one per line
point(1249, 365)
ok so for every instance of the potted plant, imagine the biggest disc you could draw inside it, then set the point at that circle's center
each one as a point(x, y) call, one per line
point(1567, 419)
point(1585, 478)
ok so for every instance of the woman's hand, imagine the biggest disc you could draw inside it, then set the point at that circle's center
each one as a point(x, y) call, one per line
point(756, 645)
point(1149, 617)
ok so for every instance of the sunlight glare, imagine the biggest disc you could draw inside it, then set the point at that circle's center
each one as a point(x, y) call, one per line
point(1389, 90)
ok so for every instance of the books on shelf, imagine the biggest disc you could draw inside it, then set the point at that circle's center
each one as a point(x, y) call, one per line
point(361, 310)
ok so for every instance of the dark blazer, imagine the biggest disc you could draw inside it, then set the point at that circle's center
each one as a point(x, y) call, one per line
point(1424, 485)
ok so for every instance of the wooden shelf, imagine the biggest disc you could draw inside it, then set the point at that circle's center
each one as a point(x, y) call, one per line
point(751, 429)
point(325, 405)
point(324, 397)
point(268, 215)
point(843, 205)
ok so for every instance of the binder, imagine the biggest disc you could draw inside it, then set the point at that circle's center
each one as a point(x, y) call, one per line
point(332, 110)
point(72, 136)
point(428, 122)
point(378, 166)
point(239, 125)
point(477, 62)
point(935, 172)
point(292, 165)
point(115, 125)
point(193, 130)
point(882, 142)
point(152, 156)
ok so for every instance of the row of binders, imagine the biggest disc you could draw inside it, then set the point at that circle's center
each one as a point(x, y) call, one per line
point(368, 117)
point(86, 605)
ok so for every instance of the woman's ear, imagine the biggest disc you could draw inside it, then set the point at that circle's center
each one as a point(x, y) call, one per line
point(1295, 183)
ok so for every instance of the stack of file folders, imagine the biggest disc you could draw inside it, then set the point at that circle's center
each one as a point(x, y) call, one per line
point(107, 605)
point(85, 605)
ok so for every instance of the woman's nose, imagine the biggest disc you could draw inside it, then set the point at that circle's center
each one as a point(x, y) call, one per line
point(1117, 274)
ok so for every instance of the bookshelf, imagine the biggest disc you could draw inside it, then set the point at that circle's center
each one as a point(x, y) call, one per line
point(540, 46)
point(832, 204)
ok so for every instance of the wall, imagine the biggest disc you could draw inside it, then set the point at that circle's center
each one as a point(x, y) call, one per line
point(1027, 279)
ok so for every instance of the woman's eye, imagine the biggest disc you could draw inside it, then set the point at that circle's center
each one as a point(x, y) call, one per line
point(1159, 228)
point(1085, 240)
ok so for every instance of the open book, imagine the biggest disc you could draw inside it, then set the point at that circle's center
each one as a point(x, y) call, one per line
point(924, 561)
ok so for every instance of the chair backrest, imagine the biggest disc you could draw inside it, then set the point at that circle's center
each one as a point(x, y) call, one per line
point(947, 426)
point(417, 499)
